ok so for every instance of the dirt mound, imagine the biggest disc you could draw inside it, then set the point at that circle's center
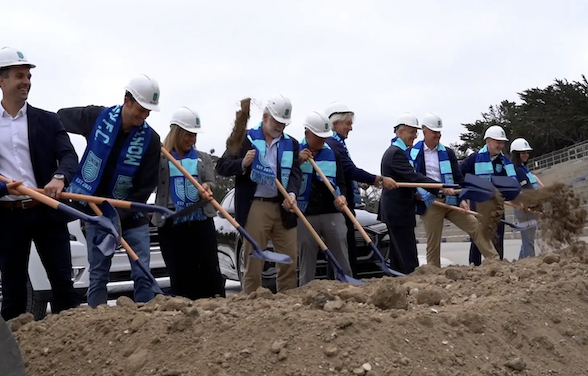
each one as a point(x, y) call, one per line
point(560, 210)
point(522, 318)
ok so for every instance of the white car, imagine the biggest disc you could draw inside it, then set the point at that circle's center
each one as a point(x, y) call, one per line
point(39, 289)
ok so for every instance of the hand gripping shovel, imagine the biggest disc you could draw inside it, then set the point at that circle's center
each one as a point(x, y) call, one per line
point(11, 362)
point(257, 252)
point(341, 276)
point(110, 221)
point(167, 213)
point(515, 226)
point(366, 237)
point(135, 259)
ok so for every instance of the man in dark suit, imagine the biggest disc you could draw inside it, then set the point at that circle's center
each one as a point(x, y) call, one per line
point(35, 150)
point(266, 153)
point(121, 161)
point(397, 206)
point(435, 160)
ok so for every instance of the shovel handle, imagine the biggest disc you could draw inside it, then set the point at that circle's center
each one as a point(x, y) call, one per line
point(442, 204)
point(345, 208)
point(215, 203)
point(426, 185)
point(311, 229)
point(32, 193)
point(123, 242)
point(93, 199)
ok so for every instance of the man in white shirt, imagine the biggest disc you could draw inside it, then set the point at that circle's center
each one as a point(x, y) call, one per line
point(439, 162)
point(35, 150)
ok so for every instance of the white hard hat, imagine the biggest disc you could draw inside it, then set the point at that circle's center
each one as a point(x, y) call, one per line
point(145, 90)
point(520, 144)
point(495, 132)
point(409, 120)
point(280, 108)
point(432, 122)
point(337, 108)
point(186, 119)
point(317, 123)
point(9, 57)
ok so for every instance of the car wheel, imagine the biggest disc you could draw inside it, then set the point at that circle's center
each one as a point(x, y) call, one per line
point(268, 276)
point(35, 306)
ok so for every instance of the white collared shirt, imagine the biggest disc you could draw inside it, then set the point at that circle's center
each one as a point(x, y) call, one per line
point(15, 155)
point(432, 169)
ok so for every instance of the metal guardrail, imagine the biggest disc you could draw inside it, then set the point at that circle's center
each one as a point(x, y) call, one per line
point(576, 151)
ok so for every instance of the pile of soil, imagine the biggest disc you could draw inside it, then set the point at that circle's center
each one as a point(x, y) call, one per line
point(560, 210)
point(522, 318)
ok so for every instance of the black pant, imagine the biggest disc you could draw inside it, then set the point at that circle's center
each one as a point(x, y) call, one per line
point(475, 255)
point(351, 249)
point(189, 250)
point(403, 249)
point(18, 227)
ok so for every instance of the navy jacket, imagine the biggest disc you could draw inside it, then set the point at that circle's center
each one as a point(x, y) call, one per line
point(397, 206)
point(51, 151)
point(230, 165)
point(350, 171)
point(468, 164)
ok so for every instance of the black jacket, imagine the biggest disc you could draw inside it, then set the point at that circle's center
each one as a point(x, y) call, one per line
point(81, 120)
point(51, 151)
point(397, 206)
point(230, 165)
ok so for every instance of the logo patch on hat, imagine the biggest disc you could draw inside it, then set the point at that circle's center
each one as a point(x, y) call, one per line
point(197, 122)
point(287, 112)
point(20, 55)
point(155, 96)
point(326, 126)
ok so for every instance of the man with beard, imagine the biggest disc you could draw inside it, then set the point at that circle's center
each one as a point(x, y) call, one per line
point(34, 150)
point(267, 153)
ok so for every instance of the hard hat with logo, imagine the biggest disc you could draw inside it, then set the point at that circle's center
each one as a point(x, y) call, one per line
point(9, 57)
point(280, 108)
point(432, 122)
point(337, 108)
point(520, 144)
point(408, 119)
point(495, 132)
point(145, 90)
point(318, 124)
point(186, 119)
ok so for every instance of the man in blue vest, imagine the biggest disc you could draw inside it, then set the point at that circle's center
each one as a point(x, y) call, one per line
point(316, 200)
point(121, 161)
point(439, 162)
point(486, 162)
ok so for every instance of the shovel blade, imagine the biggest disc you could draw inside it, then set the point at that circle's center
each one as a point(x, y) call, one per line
point(475, 194)
point(109, 221)
point(383, 264)
point(11, 362)
point(471, 180)
point(507, 186)
point(521, 226)
point(340, 274)
point(272, 256)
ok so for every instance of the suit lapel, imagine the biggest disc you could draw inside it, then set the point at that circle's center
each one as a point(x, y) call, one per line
point(33, 127)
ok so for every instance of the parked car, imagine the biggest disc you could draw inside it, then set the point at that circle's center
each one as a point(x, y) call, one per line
point(39, 290)
point(230, 247)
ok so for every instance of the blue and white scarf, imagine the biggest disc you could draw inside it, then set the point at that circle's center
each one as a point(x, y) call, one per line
point(531, 177)
point(425, 195)
point(100, 144)
point(483, 166)
point(183, 192)
point(325, 160)
point(444, 165)
point(355, 186)
point(261, 172)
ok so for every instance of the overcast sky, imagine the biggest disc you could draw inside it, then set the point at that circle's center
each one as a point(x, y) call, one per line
point(381, 58)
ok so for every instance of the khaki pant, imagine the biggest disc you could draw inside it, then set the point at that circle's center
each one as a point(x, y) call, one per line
point(264, 222)
point(433, 223)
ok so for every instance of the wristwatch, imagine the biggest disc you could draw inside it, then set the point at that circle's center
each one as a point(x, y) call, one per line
point(59, 176)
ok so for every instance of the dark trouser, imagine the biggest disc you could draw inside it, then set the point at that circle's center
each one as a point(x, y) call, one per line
point(18, 227)
point(189, 250)
point(475, 255)
point(403, 249)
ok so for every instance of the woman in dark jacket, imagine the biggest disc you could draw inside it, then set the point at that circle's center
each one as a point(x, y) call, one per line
point(188, 244)
point(519, 154)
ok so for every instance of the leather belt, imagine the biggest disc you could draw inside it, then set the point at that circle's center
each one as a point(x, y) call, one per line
point(19, 204)
point(276, 200)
